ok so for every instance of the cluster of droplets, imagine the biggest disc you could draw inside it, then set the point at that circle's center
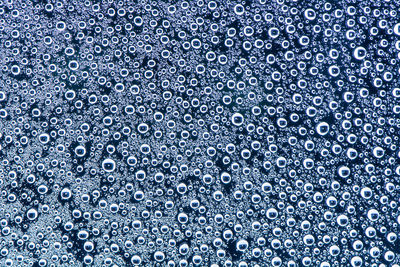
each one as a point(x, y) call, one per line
point(199, 133)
